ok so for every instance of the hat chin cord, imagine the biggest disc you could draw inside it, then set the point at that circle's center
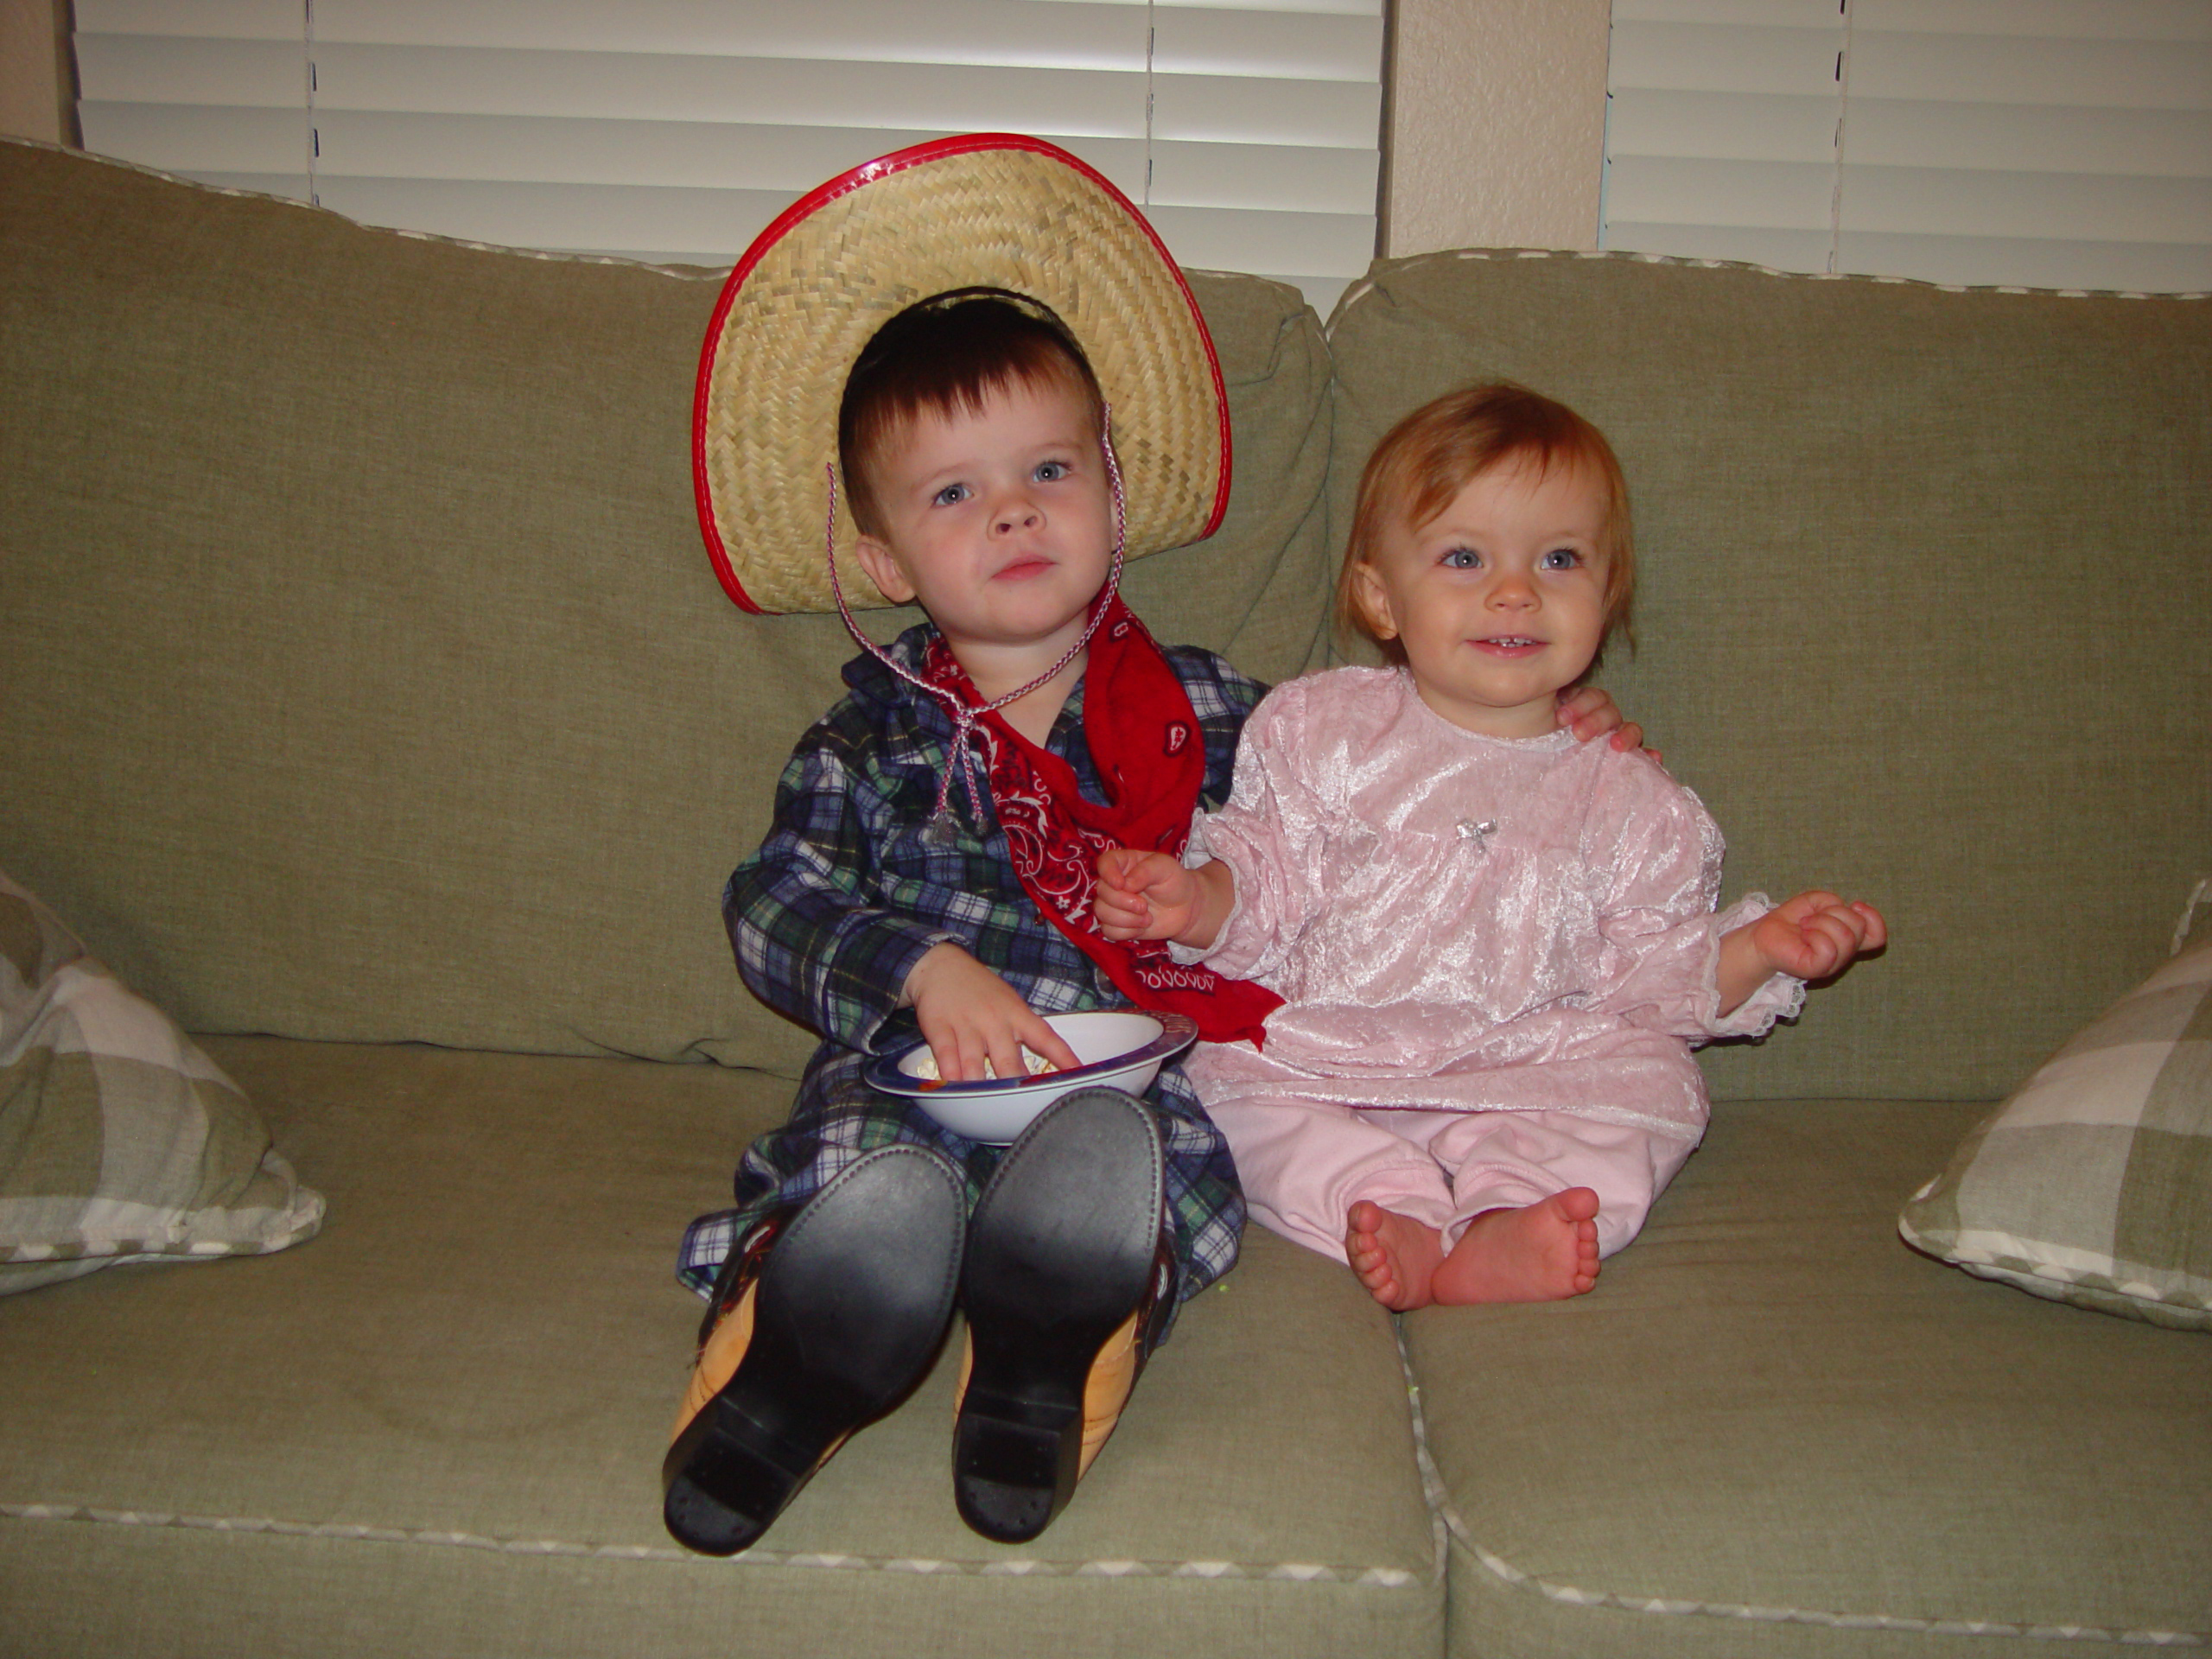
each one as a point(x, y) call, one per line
point(939, 830)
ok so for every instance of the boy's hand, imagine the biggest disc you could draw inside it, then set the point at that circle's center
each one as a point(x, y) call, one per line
point(968, 1015)
point(1142, 895)
point(1810, 937)
point(1589, 711)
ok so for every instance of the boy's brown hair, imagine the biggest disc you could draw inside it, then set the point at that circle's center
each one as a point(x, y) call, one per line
point(1428, 458)
point(944, 356)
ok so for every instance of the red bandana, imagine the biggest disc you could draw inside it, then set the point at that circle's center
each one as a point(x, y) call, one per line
point(1144, 740)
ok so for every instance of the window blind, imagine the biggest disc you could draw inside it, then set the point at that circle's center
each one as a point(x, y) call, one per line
point(2059, 144)
point(673, 130)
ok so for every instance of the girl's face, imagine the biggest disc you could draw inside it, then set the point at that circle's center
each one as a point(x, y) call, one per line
point(1499, 601)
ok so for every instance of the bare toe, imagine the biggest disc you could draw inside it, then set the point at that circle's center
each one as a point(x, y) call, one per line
point(1393, 1256)
point(1546, 1252)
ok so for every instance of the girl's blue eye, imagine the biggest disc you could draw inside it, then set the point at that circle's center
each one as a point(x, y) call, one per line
point(1561, 558)
point(951, 495)
point(1051, 471)
point(1462, 558)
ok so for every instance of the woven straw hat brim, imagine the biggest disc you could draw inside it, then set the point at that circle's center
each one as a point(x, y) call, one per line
point(990, 209)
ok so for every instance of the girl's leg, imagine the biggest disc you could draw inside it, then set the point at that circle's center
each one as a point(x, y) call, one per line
point(1305, 1164)
point(1540, 1197)
point(1511, 1159)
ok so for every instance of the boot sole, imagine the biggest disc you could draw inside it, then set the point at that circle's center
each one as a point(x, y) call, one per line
point(850, 1309)
point(1060, 1254)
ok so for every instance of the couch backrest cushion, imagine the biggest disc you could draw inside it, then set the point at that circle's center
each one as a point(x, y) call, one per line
point(1925, 611)
point(365, 676)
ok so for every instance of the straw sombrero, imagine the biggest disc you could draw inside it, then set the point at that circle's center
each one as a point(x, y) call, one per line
point(989, 210)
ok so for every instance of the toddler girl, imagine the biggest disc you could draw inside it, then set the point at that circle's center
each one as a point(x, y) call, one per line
point(1496, 944)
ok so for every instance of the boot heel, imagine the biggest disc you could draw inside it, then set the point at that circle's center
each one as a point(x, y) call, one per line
point(1008, 1468)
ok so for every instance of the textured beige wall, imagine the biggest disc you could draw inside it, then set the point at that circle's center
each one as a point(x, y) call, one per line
point(1497, 124)
point(30, 105)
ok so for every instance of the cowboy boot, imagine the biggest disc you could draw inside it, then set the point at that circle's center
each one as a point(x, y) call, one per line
point(1063, 1286)
point(822, 1319)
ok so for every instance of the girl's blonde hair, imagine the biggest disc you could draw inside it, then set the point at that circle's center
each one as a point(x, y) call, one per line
point(1430, 456)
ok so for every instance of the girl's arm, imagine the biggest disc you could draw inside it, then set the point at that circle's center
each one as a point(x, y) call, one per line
point(1809, 936)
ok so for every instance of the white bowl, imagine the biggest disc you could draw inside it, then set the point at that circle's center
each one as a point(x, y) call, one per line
point(1120, 1049)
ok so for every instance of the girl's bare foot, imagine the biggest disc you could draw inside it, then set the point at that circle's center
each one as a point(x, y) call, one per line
point(1545, 1253)
point(1395, 1255)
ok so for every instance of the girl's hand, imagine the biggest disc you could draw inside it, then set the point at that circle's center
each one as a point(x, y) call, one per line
point(1816, 934)
point(1589, 712)
point(1811, 937)
point(968, 1015)
point(1143, 895)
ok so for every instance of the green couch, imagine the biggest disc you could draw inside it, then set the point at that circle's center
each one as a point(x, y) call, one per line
point(367, 701)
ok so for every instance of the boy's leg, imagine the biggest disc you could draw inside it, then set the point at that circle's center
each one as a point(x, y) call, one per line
point(1205, 1201)
point(835, 1121)
point(1068, 1282)
point(1093, 1230)
point(829, 1289)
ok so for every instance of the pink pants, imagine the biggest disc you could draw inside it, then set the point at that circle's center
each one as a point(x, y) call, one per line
point(1304, 1164)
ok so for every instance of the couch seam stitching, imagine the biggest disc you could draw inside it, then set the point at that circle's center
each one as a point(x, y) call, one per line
point(1385, 1578)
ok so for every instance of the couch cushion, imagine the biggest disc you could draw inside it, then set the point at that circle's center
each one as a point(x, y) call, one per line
point(2092, 1184)
point(437, 1428)
point(1923, 590)
point(366, 677)
point(119, 1140)
point(1773, 1430)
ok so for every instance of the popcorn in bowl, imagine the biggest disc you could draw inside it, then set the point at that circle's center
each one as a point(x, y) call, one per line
point(925, 1068)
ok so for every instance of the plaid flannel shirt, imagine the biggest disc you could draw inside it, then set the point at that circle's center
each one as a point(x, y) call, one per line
point(845, 895)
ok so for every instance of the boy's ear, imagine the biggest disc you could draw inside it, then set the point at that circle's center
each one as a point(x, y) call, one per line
point(883, 570)
point(1374, 601)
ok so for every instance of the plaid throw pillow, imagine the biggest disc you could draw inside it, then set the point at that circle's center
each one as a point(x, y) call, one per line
point(2093, 1183)
point(119, 1140)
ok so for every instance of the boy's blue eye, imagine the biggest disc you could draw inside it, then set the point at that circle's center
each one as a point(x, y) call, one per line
point(1052, 471)
point(1561, 558)
point(1462, 558)
point(951, 495)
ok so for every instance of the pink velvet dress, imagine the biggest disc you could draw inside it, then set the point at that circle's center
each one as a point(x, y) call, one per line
point(1495, 955)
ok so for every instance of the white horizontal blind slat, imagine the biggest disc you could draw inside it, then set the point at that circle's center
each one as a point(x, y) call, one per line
point(2075, 20)
point(2055, 72)
point(151, 69)
point(586, 87)
point(229, 20)
point(2049, 142)
point(203, 139)
point(1253, 134)
point(977, 33)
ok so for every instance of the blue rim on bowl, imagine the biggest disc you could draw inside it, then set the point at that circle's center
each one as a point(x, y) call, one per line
point(1177, 1033)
